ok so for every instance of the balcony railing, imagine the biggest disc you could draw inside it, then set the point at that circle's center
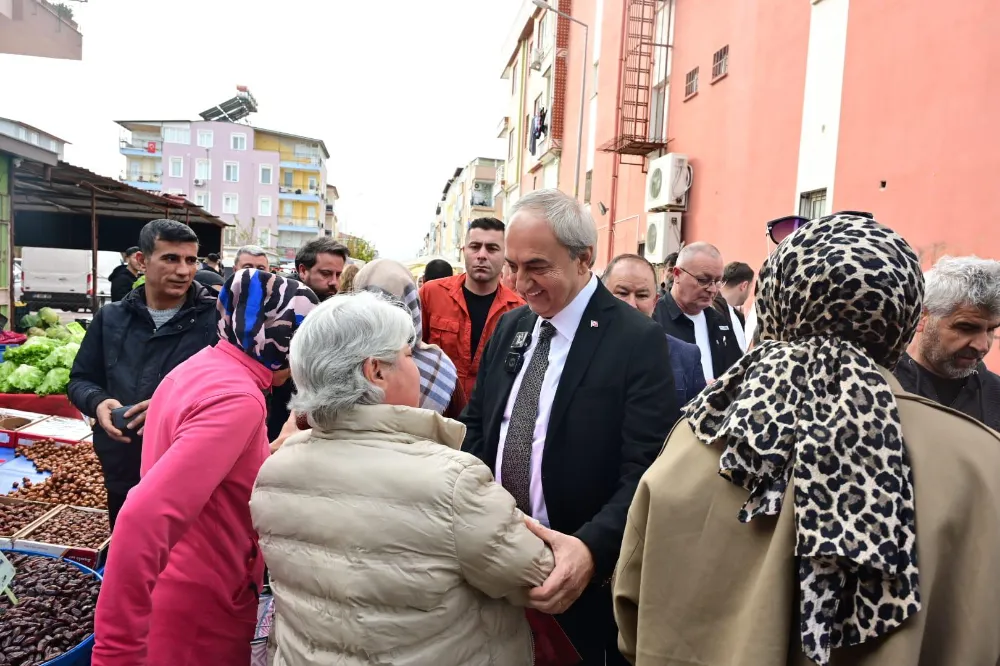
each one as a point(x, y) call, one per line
point(312, 223)
point(299, 193)
point(141, 177)
point(149, 146)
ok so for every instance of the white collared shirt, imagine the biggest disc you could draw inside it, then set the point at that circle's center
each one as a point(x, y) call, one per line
point(565, 322)
point(741, 336)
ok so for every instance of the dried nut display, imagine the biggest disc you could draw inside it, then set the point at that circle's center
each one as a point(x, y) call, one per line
point(16, 516)
point(76, 475)
point(55, 611)
point(73, 527)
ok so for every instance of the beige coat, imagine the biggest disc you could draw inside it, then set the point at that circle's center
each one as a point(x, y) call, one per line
point(387, 545)
point(695, 587)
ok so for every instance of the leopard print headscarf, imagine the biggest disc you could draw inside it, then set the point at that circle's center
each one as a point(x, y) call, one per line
point(808, 407)
point(259, 312)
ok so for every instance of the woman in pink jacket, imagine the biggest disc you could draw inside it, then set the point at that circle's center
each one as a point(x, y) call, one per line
point(183, 577)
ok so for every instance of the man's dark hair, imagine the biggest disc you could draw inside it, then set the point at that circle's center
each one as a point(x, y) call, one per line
point(736, 272)
point(671, 260)
point(213, 257)
point(487, 224)
point(307, 254)
point(170, 231)
point(132, 250)
point(437, 269)
point(627, 257)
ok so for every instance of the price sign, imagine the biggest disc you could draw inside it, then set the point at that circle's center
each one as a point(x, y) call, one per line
point(6, 576)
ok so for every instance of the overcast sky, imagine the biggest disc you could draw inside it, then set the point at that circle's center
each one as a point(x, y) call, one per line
point(402, 92)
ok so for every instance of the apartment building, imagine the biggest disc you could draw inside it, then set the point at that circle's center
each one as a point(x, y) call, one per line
point(36, 137)
point(746, 112)
point(39, 28)
point(467, 195)
point(535, 64)
point(270, 185)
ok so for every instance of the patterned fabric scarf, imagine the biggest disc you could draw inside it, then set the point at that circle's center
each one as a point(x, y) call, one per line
point(259, 312)
point(808, 408)
point(438, 377)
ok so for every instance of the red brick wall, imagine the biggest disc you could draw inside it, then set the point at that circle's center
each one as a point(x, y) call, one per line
point(557, 113)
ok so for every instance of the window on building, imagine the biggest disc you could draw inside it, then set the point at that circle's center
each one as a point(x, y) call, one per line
point(264, 207)
point(658, 112)
point(311, 213)
point(513, 79)
point(206, 138)
point(543, 32)
point(286, 208)
point(482, 194)
point(720, 63)
point(288, 178)
point(232, 172)
point(264, 238)
point(587, 185)
point(266, 174)
point(691, 82)
point(529, 128)
point(176, 167)
point(22, 134)
point(511, 144)
point(313, 183)
point(52, 145)
point(229, 237)
point(231, 204)
point(203, 169)
point(177, 135)
point(813, 204)
point(176, 191)
point(203, 199)
point(33, 138)
point(238, 141)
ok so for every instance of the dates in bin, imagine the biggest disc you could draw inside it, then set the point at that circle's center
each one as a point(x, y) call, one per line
point(55, 613)
point(16, 516)
point(72, 527)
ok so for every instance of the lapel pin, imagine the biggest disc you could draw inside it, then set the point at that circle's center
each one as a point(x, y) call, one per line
point(593, 323)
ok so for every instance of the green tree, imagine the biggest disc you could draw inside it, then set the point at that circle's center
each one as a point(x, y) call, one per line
point(63, 10)
point(361, 249)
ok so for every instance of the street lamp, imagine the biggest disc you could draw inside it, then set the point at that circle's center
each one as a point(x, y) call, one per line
point(541, 4)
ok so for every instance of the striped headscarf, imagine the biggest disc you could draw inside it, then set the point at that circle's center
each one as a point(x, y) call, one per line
point(259, 312)
point(438, 377)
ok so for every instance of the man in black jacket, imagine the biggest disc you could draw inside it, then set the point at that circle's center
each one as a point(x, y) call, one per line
point(956, 330)
point(573, 402)
point(687, 311)
point(125, 275)
point(131, 345)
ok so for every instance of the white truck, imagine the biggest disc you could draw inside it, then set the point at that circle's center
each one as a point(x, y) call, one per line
point(62, 279)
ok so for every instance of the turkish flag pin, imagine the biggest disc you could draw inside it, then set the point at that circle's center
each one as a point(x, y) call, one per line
point(593, 323)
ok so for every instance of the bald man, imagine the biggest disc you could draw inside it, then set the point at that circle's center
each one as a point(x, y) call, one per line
point(686, 312)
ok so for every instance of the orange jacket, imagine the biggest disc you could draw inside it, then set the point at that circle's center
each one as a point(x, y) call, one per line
point(446, 324)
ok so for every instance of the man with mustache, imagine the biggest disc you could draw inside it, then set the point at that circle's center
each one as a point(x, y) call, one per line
point(960, 318)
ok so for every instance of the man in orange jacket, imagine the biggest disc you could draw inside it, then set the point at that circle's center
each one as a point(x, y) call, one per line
point(460, 312)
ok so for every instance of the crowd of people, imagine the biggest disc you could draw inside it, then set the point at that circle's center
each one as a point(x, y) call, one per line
point(531, 463)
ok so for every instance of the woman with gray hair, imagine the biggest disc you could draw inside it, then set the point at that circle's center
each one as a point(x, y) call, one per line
point(386, 544)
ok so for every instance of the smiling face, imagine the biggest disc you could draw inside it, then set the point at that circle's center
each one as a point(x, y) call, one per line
point(544, 272)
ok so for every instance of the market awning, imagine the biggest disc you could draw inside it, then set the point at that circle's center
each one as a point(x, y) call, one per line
point(417, 265)
point(54, 205)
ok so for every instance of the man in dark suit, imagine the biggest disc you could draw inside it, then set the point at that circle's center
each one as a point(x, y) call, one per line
point(569, 409)
point(687, 313)
point(632, 279)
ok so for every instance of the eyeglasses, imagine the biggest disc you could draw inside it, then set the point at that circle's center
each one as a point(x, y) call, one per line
point(704, 282)
point(783, 227)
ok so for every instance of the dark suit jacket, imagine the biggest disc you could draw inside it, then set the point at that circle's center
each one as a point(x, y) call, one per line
point(725, 346)
point(689, 378)
point(612, 411)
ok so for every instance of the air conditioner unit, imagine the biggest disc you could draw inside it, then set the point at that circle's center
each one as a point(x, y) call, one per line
point(536, 60)
point(663, 236)
point(668, 182)
point(198, 182)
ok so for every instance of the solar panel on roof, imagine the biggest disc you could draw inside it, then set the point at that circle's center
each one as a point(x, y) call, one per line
point(234, 109)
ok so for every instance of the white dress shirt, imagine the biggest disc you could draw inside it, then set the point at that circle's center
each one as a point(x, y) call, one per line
point(565, 322)
point(704, 343)
point(741, 336)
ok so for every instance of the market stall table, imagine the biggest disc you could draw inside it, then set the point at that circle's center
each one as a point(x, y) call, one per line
point(53, 405)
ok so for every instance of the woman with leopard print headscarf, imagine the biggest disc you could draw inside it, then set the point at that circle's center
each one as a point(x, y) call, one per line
point(853, 523)
point(184, 574)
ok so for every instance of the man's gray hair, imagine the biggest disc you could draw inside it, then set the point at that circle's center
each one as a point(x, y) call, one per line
point(689, 252)
point(572, 225)
point(252, 250)
point(329, 350)
point(956, 281)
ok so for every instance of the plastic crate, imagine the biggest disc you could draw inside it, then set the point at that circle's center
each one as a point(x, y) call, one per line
point(3, 350)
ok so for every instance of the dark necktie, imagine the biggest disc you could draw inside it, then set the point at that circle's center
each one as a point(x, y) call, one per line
point(516, 465)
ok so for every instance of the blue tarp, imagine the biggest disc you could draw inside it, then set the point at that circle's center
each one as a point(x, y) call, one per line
point(15, 469)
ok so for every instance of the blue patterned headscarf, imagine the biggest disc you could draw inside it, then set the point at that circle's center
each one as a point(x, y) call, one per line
point(259, 312)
